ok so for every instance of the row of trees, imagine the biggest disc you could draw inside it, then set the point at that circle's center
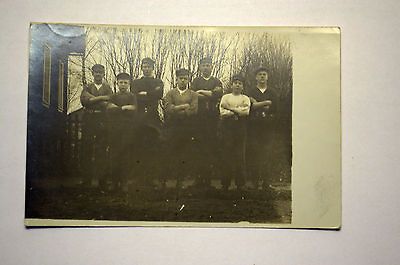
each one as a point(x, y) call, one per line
point(121, 49)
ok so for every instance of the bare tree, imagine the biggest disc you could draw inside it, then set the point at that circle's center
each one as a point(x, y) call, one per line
point(87, 57)
point(233, 52)
point(189, 46)
point(132, 47)
point(111, 44)
point(160, 51)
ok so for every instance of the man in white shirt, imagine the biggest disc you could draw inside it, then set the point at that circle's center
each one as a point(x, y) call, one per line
point(234, 110)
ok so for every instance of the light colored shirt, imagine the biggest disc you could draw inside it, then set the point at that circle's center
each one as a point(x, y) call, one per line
point(239, 102)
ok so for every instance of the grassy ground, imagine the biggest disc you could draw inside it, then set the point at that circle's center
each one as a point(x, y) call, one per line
point(168, 204)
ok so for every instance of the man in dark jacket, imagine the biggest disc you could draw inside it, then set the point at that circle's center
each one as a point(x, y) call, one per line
point(121, 134)
point(209, 90)
point(148, 90)
point(260, 128)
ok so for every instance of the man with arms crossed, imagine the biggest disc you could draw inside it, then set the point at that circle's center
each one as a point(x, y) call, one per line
point(95, 98)
point(234, 110)
point(148, 90)
point(181, 106)
point(263, 108)
point(121, 131)
point(209, 90)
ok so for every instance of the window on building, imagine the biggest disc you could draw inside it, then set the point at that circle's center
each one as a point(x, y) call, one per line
point(74, 82)
point(60, 86)
point(46, 75)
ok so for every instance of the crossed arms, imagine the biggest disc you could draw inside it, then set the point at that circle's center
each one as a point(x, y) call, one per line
point(266, 104)
point(89, 100)
point(188, 108)
point(227, 108)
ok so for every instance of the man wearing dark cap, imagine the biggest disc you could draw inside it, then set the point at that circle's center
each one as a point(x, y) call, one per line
point(95, 98)
point(209, 90)
point(181, 106)
point(121, 113)
point(263, 109)
point(148, 90)
point(234, 110)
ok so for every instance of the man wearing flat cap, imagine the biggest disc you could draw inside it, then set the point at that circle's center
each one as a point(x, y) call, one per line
point(260, 127)
point(181, 104)
point(209, 90)
point(95, 95)
point(95, 98)
point(149, 91)
point(121, 113)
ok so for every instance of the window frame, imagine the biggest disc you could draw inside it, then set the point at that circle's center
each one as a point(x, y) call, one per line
point(60, 88)
point(46, 97)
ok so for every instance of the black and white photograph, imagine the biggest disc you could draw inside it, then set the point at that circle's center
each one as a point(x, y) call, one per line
point(159, 124)
point(199, 132)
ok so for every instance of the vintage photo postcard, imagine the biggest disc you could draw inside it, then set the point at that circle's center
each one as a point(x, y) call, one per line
point(183, 126)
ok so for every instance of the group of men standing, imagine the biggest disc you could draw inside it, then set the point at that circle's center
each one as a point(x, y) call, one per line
point(206, 133)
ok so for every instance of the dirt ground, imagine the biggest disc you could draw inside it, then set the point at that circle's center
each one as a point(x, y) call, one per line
point(168, 204)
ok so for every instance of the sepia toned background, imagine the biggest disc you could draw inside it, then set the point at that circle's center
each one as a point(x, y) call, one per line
point(370, 144)
point(56, 164)
point(316, 134)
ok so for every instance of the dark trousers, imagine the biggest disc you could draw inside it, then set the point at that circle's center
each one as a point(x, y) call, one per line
point(180, 149)
point(259, 151)
point(121, 136)
point(148, 147)
point(94, 148)
point(233, 134)
point(207, 146)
